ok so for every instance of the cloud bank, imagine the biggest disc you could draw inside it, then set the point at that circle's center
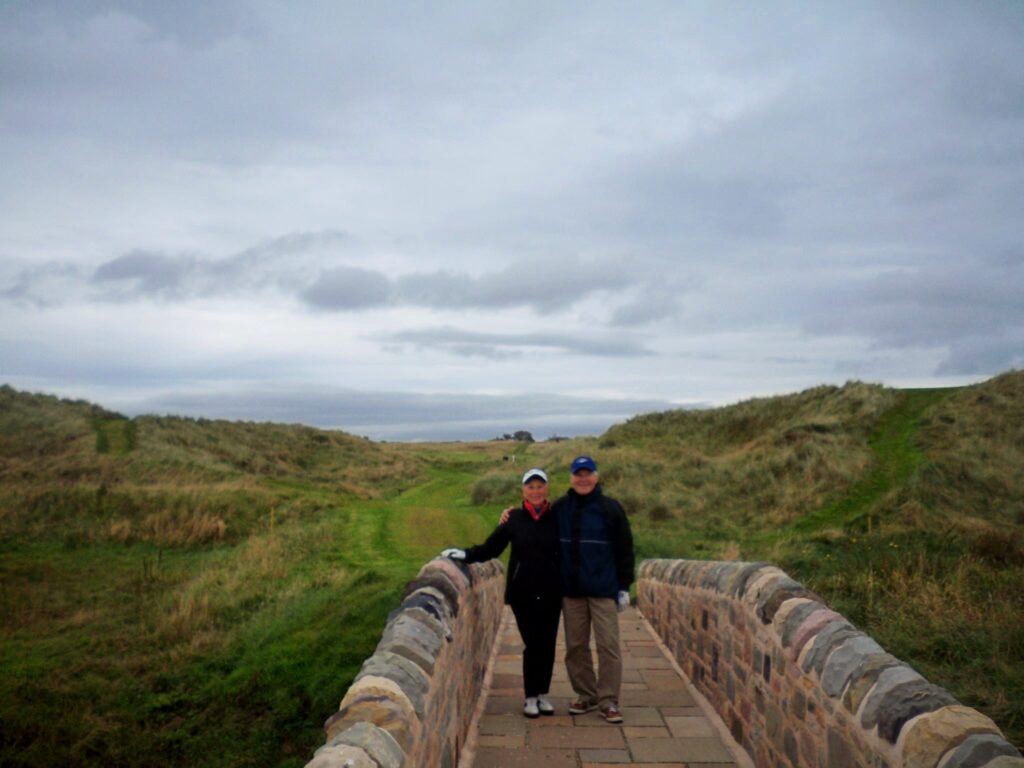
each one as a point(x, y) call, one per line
point(672, 203)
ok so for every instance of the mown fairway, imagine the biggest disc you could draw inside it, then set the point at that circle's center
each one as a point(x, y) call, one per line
point(193, 592)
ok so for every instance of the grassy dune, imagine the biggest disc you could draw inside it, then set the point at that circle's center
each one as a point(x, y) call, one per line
point(203, 592)
point(905, 509)
point(178, 591)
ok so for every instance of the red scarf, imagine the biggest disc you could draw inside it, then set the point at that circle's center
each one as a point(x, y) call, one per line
point(536, 513)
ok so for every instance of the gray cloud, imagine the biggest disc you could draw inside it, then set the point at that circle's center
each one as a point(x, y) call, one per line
point(278, 263)
point(284, 264)
point(468, 343)
point(409, 415)
point(546, 285)
point(348, 288)
point(972, 307)
point(653, 302)
point(980, 355)
point(153, 274)
point(797, 193)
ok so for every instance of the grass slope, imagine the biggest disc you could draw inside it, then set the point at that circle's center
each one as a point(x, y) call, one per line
point(202, 593)
point(904, 509)
point(178, 591)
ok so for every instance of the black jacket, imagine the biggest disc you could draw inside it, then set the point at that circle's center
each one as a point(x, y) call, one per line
point(596, 545)
point(533, 564)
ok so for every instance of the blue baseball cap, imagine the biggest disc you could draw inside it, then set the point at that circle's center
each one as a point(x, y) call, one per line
point(582, 462)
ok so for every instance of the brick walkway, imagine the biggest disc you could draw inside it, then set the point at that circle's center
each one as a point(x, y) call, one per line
point(665, 726)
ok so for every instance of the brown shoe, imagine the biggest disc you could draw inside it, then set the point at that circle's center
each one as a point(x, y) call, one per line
point(581, 707)
point(612, 713)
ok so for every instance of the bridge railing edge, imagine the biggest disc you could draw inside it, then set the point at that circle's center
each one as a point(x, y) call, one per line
point(412, 702)
point(796, 683)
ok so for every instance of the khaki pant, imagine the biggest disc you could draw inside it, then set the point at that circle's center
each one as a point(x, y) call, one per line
point(601, 613)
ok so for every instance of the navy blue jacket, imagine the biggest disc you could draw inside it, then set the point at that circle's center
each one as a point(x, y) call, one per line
point(596, 545)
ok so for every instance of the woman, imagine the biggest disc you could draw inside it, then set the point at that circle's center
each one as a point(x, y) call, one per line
point(533, 586)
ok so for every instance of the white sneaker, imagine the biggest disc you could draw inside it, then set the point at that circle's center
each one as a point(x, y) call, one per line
point(530, 708)
point(545, 706)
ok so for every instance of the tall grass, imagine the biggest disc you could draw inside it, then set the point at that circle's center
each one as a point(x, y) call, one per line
point(184, 591)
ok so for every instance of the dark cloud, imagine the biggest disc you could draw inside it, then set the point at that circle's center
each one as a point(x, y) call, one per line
point(279, 263)
point(146, 273)
point(348, 288)
point(496, 344)
point(285, 263)
point(547, 285)
point(30, 283)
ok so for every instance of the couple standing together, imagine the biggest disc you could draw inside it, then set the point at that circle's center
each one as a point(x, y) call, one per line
point(573, 557)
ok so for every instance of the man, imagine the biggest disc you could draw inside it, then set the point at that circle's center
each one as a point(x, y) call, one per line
point(597, 568)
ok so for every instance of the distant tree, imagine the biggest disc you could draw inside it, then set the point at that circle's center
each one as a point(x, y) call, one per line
point(523, 436)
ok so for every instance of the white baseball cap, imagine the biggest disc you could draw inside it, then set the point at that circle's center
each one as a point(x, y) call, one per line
point(535, 472)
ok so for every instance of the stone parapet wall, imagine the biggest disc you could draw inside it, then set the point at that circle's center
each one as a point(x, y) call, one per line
point(413, 700)
point(797, 684)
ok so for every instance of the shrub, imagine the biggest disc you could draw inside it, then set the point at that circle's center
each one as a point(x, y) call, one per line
point(999, 547)
point(494, 488)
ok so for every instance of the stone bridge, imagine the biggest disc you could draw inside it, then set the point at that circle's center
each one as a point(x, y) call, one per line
point(725, 664)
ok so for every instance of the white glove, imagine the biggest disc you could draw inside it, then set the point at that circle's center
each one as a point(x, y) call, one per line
point(454, 554)
point(623, 601)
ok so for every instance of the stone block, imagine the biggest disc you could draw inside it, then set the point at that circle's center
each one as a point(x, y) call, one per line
point(374, 741)
point(864, 677)
point(410, 678)
point(436, 579)
point(341, 756)
point(738, 585)
point(691, 750)
point(775, 595)
point(907, 701)
point(759, 581)
point(789, 746)
point(980, 750)
point(928, 737)
point(798, 704)
point(433, 602)
point(714, 573)
point(791, 614)
point(796, 617)
point(413, 639)
point(825, 642)
point(888, 680)
point(813, 623)
point(841, 753)
point(426, 618)
point(844, 661)
point(382, 702)
point(1005, 761)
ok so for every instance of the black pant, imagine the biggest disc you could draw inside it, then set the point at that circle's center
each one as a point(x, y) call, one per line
point(537, 618)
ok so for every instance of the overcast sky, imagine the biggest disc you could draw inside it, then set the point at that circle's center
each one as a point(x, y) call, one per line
point(455, 220)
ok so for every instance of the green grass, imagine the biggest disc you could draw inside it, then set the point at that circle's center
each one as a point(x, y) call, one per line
point(896, 455)
point(228, 655)
point(180, 591)
point(126, 641)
